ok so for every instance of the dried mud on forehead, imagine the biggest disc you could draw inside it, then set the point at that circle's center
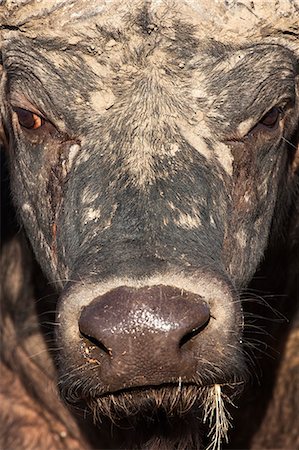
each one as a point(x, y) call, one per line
point(228, 21)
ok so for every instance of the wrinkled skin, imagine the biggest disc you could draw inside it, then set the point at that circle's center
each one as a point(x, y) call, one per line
point(149, 161)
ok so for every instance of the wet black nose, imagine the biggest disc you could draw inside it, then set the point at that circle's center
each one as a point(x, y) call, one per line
point(143, 336)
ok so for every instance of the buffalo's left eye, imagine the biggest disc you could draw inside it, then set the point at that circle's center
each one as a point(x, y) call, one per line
point(271, 119)
point(28, 119)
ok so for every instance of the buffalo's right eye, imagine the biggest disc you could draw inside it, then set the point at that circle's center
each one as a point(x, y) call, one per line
point(271, 119)
point(28, 119)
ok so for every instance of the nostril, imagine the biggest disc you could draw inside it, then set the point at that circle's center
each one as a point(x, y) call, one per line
point(95, 342)
point(193, 333)
point(91, 329)
point(202, 319)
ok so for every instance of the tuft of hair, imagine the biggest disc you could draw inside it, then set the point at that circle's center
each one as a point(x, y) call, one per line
point(217, 416)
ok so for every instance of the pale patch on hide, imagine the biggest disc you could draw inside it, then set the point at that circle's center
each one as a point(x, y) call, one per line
point(88, 196)
point(198, 92)
point(102, 100)
point(188, 221)
point(68, 163)
point(165, 221)
point(100, 225)
point(171, 205)
point(74, 149)
point(224, 156)
point(245, 126)
point(212, 221)
point(173, 149)
point(241, 238)
point(83, 157)
point(27, 208)
point(246, 197)
point(91, 214)
point(196, 142)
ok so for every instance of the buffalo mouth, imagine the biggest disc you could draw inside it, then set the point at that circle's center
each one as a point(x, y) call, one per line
point(171, 416)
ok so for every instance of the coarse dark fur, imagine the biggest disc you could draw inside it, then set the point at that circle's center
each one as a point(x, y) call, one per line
point(167, 161)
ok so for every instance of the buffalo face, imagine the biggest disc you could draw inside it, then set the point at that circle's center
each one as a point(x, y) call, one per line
point(147, 172)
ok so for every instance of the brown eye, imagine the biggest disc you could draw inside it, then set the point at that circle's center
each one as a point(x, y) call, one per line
point(272, 117)
point(28, 119)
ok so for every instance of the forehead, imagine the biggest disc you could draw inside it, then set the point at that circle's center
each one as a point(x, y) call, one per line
point(114, 34)
point(189, 52)
point(228, 20)
point(186, 51)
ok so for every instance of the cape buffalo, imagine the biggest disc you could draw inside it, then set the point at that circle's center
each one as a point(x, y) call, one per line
point(152, 158)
